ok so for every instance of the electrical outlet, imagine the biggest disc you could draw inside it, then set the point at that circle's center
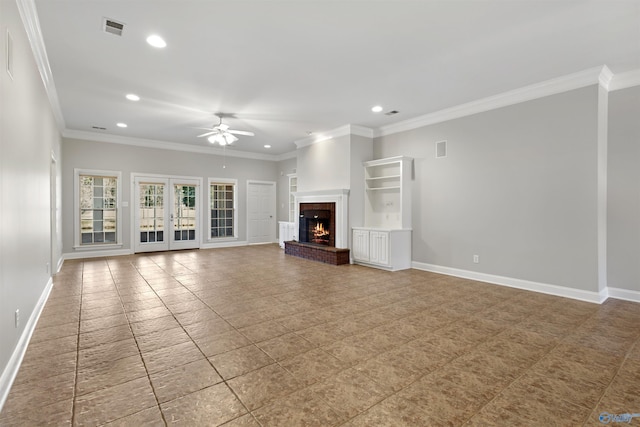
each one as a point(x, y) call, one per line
point(17, 318)
point(476, 259)
point(48, 268)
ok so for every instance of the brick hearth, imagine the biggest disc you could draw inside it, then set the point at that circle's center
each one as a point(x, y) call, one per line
point(326, 254)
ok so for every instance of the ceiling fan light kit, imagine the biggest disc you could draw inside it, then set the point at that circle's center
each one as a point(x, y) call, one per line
point(221, 134)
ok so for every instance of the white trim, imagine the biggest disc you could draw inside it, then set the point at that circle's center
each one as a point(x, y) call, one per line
point(338, 196)
point(164, 145)
point(577, 80)
point(336, 133)
point(624, 294)
point(29, 15)
point(561, 291)
point(12, 367)
point(233, 182)
point(625, 80)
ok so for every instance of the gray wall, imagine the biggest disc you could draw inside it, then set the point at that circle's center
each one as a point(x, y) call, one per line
point(131, 159)
point(325, 165)
point(28, 137)
point(623, 214)
point(518, 187)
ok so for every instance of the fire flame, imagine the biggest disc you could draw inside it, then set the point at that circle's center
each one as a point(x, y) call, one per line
point(319, 231)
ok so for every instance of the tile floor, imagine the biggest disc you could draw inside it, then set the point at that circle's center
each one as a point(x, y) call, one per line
point(250, 337)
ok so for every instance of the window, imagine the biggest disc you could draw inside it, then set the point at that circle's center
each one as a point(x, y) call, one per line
point(293, 187)
point(97, 195)
point(222, 208)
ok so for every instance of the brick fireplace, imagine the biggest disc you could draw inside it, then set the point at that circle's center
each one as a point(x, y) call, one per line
point(321, 226)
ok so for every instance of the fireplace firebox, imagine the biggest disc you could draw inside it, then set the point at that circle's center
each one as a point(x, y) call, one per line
point(317, 223)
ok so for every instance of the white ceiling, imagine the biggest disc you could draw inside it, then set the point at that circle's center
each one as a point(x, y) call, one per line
point(286, 68)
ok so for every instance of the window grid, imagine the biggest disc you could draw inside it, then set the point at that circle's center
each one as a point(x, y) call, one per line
point(222, 210)
point(98, 209)
point(151, 213)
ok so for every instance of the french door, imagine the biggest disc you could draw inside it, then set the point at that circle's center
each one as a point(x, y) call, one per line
point(166, 213)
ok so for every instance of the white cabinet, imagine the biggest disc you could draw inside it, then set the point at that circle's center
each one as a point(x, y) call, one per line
point(388, 249)
point(360, 244)
point(286, 232)
point(385, 239)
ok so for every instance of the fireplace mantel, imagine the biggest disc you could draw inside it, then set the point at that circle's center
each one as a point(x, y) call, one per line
point(338, 196)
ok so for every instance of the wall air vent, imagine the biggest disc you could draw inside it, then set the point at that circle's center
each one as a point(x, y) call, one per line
point(441, 149)
point(113, 27)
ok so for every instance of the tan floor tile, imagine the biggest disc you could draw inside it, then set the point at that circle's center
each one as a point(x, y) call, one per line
point(114, 402)
point(107, 352)
point(226, 341)
point(214, 405)
point(171, 356)
point(102, 323)
point(533, 405)
point(37, 369)
point(301, 408)
point(184, 379)
point(157, 340)
point(258, 387)
point(151, 417)
point(263, 331)
point(402, 348)
point(58, 414)
point(104, 336)
point(109, 373)
point(441, 400)
point(285, 346)
point(395, 412)
point(240, 361)
point(153, 325)
point(312, 366)
point(349, 393)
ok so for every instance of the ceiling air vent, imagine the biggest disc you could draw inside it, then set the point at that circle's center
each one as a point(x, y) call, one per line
point(441, 149)
point(391, 113)
point(98, 128)
point(113, 27)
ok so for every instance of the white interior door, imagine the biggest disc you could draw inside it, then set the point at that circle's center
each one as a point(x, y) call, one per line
point(166, 214)
point(261, 212)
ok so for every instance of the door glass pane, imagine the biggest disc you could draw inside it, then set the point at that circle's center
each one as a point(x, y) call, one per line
point(151, 212)
point(184, 212)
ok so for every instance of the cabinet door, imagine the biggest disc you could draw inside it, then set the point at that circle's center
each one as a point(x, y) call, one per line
point(361, 245)
point(379, 247)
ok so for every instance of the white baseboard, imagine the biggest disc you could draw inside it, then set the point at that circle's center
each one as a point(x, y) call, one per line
point(624, 294)
point(229, 244)
point(96, 254)
point(561, 291)
point(11, 370)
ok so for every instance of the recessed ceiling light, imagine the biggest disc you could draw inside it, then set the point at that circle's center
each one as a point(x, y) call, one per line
point(156, 41)
point(376, 109)
point(267, 146)
point(133, 97)
point(121, 125)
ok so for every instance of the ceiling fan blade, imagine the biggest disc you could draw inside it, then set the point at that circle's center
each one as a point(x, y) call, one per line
point(241, 132)
point(206, 134)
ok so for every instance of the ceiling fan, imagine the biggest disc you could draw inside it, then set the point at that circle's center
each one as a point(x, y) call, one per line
point(222, 134)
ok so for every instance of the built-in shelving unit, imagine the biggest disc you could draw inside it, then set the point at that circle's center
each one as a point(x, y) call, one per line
point(385, 239)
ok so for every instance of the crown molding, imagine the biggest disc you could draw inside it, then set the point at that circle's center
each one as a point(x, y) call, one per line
point(29, 16)
point(625, 80)
point(164, 145)
point(336, 133)
point(597, 75)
